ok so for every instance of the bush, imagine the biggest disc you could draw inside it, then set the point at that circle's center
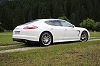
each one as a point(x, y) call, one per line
point(64, 18)
point(1, 29)
point(89, 24)
point(98, 26)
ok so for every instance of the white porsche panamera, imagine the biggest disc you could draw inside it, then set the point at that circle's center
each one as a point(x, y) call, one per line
point(48, 31)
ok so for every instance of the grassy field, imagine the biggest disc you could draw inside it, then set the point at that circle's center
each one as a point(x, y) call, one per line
point(68, 54)
point(95, 34)
point(5, 33)
point(6, 38)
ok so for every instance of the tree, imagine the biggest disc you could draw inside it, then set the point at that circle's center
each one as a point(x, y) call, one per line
point(88, 23)
point(64, 18)
point(18, 16)
point(13, 13)
point(7, 18)
point(97, 9)
point(44, 10)
point(77, 15)
point(1, 29)
point(90, 9)
point(73, 19)
point(97, 26)
point(57, 9)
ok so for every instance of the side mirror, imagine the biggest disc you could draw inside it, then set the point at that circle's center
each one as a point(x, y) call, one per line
point(72, 26)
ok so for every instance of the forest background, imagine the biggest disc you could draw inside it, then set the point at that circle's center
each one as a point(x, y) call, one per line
point(16, 12)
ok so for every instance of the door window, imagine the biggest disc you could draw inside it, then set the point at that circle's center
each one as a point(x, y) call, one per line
point(65, 23)
point(54, 22)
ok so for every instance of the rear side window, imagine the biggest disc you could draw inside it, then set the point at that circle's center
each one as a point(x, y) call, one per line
point(53, 22)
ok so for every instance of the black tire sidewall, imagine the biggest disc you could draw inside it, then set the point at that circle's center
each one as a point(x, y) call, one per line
point(40, 41)
point(81, 36)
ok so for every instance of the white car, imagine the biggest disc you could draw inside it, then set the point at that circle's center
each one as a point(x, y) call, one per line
point(48, 31)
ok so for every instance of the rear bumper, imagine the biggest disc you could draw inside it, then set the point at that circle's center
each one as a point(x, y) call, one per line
point(22, 38)
point(25, 41)
point(18, 40)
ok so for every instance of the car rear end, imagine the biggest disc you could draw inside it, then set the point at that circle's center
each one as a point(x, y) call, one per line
point(26, 32)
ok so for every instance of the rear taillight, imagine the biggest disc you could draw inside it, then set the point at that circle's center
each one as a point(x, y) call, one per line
point(30, 27)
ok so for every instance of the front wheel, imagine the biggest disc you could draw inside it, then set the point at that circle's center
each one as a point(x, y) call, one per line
point(45, 39)
point(84, 36)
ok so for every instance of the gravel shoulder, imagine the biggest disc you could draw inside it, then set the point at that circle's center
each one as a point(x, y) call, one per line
point(19, 49)
point(10, 45)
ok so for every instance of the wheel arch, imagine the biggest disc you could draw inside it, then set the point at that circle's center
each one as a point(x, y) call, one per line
point(48, 32)
point(86, 33)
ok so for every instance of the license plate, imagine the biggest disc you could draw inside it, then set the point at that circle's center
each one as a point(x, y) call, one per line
point(17, 32)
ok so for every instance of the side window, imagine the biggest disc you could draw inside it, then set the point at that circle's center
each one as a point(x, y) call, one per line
point(57, 23)
point(65, 23)
point(49, 22)
point(54, 22)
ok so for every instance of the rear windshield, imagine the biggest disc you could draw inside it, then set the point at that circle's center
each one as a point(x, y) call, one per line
point(32, 21)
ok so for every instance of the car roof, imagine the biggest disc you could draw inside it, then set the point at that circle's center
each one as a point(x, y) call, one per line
point(48, 19)
point(43, 20)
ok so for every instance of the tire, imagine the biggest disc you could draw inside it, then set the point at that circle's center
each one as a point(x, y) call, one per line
point(84, 36)
point(45, 39)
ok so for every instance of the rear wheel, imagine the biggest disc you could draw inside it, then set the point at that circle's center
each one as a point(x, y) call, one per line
point(45, 39)
point(84, 36)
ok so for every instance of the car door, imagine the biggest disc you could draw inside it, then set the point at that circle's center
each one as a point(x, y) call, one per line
point(56, 29)
point(70, 33)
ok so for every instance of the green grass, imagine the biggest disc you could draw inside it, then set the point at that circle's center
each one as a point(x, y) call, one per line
point(69, 54)
point(6, 39)
point(95, 34)
point(5, 33)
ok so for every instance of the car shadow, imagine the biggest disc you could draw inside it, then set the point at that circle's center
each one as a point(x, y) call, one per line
point(68, 42)
point(37, 44)
point(31, 45)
